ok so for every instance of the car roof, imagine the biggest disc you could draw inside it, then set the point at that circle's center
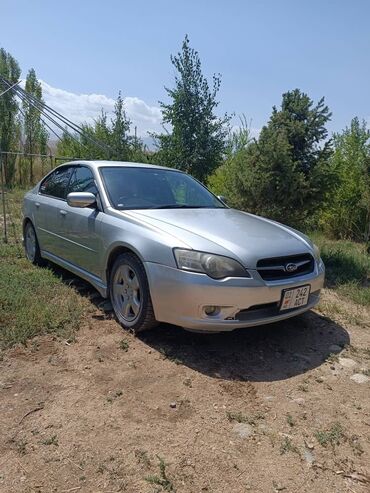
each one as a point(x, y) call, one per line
point(118, 164)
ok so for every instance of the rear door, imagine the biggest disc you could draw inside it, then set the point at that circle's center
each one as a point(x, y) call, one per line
point(80, 227)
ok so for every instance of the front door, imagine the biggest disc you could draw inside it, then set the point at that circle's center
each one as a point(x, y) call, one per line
point(80, 227)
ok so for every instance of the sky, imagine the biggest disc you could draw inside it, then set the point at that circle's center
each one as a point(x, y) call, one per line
point(85, 52)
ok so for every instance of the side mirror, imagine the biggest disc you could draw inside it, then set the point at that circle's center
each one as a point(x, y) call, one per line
point(81, 199)
point(222, 198)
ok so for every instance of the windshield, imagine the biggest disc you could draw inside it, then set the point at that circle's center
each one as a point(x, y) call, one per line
point(153, 188)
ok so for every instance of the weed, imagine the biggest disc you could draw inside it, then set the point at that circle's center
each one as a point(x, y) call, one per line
point(347, 267)
point(333, 436)
point(243, 418)
point(20, 446)
point(53, 440)
point(356, 445)
point(124, 345)
point(167, 354)
point(161, 480)
point(332, 358)
point(303, 388)
point(142, 457)
point(287, 446)
point(290, 420)
point(33, 300)
point(101, 469)
point(114, 396)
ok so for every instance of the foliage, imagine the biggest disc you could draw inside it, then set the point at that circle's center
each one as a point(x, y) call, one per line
point(196, 141)
point(33, 300)
point(347, 267)
point(221, 182)
point(346, 213)
point(9, 123)
point(115, 136)
point(285, 174)
point(35, 132)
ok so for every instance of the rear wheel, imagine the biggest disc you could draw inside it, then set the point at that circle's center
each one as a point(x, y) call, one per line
point(31, 245)
point(129, 294)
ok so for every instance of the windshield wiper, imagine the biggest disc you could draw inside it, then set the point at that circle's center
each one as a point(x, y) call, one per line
point(180, 206)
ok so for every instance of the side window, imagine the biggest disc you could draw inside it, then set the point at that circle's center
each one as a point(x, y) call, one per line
point(82, 181)
point(56, 184)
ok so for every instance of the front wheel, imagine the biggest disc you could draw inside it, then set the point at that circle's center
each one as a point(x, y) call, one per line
point(129, 294)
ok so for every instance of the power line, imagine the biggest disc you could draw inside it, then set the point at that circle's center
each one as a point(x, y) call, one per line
point(25, 97)
point(6, 90)
point(45, 109)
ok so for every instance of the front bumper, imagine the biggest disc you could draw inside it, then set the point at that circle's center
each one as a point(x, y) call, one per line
point(179, 298)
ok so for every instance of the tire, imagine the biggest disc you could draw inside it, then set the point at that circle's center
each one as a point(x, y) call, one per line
point(31, 245)
point(129, 294)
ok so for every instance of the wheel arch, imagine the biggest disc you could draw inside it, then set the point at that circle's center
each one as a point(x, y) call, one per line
point(25, 221)
point(114, 253)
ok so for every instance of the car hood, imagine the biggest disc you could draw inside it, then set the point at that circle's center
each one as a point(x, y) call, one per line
point(229, 232)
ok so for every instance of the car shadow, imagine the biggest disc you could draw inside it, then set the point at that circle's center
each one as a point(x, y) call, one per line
point(262, 354)
point(266, 353)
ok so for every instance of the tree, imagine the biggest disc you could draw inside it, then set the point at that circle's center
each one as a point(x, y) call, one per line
point(34, 129)
point(120, 138)
point(196, 141)
point(114, 135)
point(9, 124)
point(221, 182)
point(285, 174)
point(346, 213)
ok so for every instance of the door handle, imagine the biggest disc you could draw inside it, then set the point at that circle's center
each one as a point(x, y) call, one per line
point(62, 212)
point(37, 204)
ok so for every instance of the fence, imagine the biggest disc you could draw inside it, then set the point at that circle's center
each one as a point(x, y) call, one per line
point(20, 169)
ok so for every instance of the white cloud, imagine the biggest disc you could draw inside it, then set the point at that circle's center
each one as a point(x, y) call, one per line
point(86, 107)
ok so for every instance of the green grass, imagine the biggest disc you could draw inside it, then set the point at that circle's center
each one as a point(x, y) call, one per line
point(162, 479)
point(333, 436)
point(243, 418)
point(347, 267)
point(33, 300)
point(288, 446)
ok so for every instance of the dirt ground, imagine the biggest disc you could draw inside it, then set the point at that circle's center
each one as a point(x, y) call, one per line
point(268, 409)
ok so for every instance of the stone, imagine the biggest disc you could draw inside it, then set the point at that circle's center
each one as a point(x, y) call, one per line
point(243, 430)
point(360, 378)
point(309, 457)
point(347, 362)
point(334, 348)
point(173, 405)
point(302, 357)
point(299, 400)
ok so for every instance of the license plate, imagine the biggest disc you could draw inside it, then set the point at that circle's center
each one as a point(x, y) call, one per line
point(295, 298)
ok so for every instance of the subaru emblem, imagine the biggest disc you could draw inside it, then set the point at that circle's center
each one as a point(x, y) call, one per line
point(291, 267)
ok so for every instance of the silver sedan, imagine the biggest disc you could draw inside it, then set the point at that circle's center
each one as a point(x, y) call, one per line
point(165, 249)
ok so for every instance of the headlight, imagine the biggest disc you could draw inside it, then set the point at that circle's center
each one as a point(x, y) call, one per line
point(215, 266)
point(316, 251)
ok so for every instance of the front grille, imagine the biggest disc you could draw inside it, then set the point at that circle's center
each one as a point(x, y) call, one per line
point(274, 269)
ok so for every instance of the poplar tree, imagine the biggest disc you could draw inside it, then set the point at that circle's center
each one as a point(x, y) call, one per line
point(9, 124)
point(196, 139)
point(34, 130)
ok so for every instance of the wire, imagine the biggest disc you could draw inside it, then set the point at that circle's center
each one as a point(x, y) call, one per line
point(24, 97)
point(45, 109)
point(6, 90)
point(78, 129)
